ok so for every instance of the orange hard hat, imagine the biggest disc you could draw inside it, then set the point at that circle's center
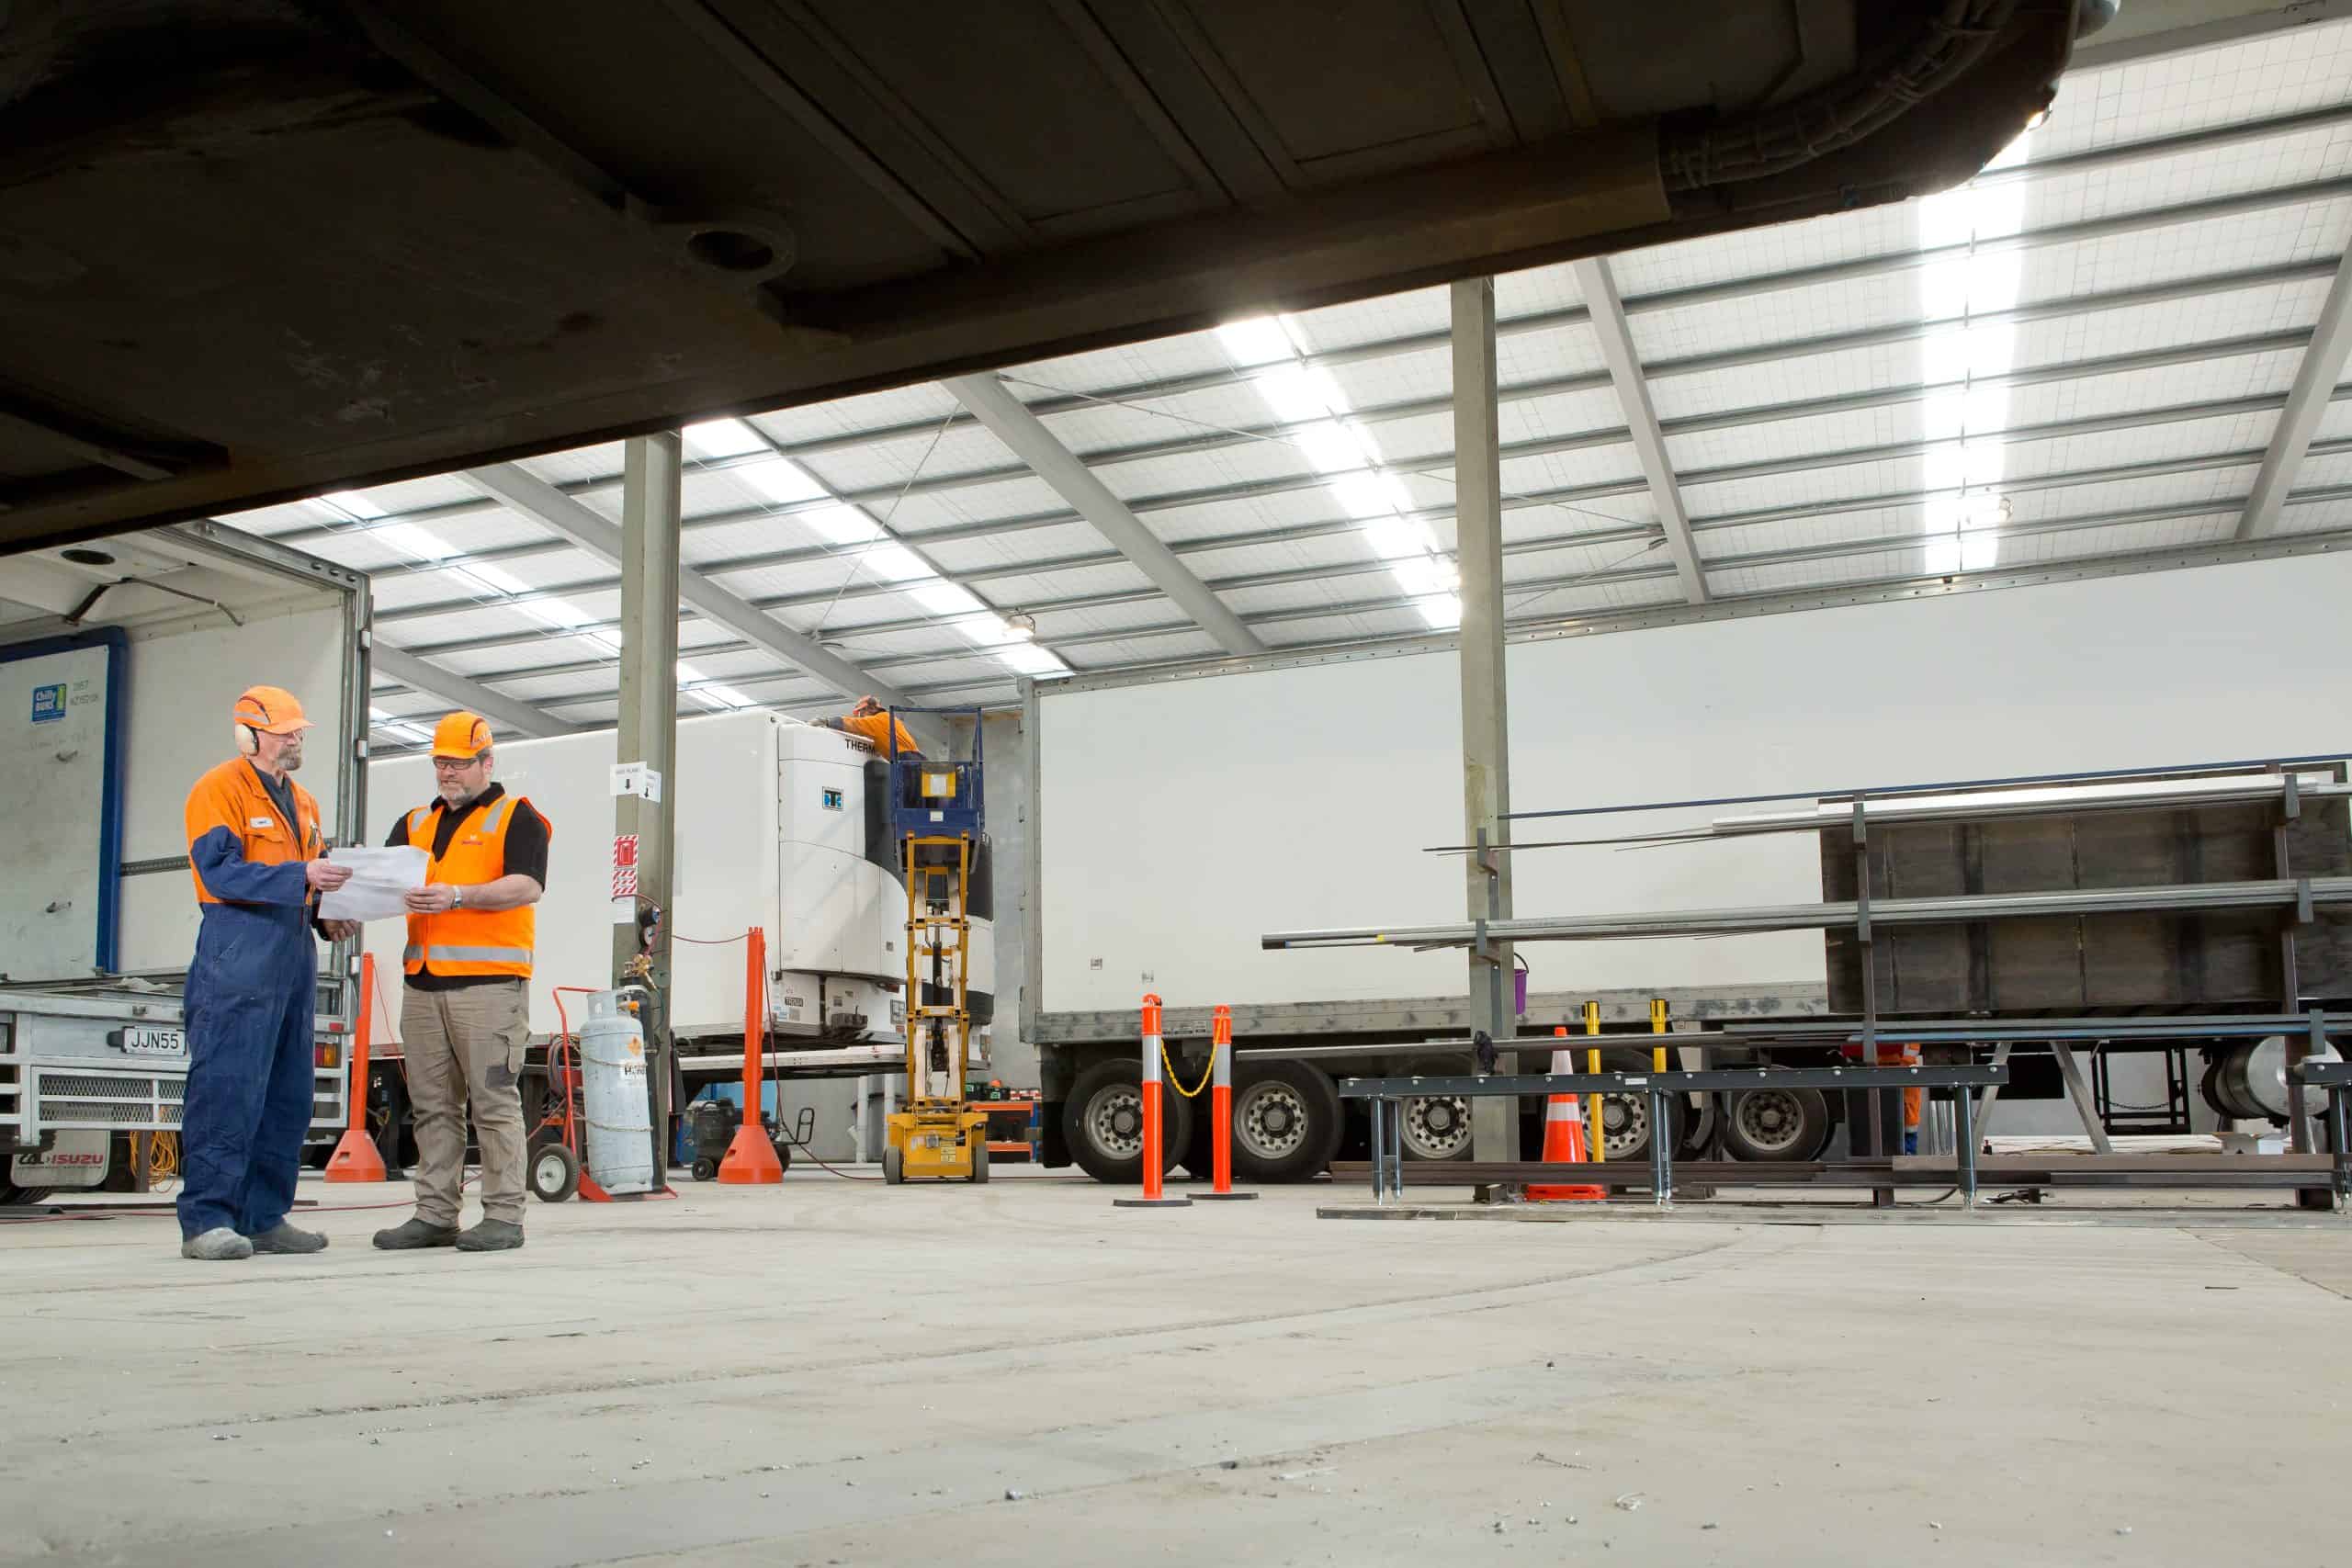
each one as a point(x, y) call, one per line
point(273, 710)
point(461, 733)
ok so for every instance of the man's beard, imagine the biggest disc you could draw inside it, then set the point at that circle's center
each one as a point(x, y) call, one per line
point(290, 757)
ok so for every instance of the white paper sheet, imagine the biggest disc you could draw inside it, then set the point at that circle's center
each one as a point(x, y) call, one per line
point(379, 879)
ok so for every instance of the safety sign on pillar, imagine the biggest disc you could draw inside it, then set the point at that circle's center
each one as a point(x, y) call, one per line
point(624, 878)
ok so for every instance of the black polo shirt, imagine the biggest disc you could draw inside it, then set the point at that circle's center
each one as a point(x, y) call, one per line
point(527, 855)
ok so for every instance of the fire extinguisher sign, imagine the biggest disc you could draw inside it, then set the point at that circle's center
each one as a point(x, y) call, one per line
point(625, 865)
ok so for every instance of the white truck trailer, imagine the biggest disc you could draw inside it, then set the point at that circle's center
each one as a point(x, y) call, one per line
point(780, 825)
point(119, 660)
point(1300, 792)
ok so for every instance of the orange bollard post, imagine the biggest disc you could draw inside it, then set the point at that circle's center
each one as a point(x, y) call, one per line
point(1154, 1163)
point(1563, 1136)
point(751, 1159)
point(1221, 1106)
point(356, 1157)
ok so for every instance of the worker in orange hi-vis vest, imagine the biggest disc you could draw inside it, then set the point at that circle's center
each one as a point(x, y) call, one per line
point(464, 1013)
point(869, 720)
point(258, 856)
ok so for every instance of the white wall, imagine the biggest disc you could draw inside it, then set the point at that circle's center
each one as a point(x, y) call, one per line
point(1181, 820)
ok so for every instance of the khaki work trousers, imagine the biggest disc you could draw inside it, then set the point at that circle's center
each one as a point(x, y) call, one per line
point(464, 1044)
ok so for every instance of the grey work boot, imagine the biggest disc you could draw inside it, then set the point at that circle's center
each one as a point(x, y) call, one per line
point(283, 1237)
point(219, 1245)
point(490, 1235)
point(413, 1232)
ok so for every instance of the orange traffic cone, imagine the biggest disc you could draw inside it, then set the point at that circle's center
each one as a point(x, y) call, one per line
point(1563, 1137)
point(356, 1157)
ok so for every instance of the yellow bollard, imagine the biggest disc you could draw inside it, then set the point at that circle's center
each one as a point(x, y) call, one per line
point(1598, 1141)
point(1657, 1026)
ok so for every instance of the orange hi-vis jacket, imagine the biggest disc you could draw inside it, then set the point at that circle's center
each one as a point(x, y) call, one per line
point(470, 942)
point(876, 727)
point(230, 809)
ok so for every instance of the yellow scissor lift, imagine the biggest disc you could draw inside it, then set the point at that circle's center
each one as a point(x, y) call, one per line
point(937, 813)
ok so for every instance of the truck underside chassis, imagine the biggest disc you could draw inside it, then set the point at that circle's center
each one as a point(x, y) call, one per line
point(1289, 1123)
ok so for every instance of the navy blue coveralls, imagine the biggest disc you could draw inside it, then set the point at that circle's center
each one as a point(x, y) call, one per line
point(250, 997)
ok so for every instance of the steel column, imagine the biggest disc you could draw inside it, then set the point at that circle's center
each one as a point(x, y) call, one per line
point(2307, 401)
point(649, 734)
point(1486, 709)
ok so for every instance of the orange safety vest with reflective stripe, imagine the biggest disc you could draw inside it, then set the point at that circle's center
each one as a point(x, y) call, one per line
point(231, 796)
point(469, 941)
point(877, 726)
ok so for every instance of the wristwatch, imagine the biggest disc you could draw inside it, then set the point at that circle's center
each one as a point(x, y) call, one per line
point(457, 897)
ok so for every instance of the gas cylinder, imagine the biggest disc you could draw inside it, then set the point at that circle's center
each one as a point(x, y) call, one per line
point(621, 1121)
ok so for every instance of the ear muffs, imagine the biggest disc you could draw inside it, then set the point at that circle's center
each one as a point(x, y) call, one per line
point(248, 739)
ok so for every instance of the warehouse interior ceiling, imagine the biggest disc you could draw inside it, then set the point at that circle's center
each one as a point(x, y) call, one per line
point(252, 251)
point(2120, 347)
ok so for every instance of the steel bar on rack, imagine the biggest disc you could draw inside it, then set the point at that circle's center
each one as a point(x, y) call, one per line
point(2236, 1025)
point(1961, 908)
point(1704, 1080)
point(2335, 1077)
point(1992, 804)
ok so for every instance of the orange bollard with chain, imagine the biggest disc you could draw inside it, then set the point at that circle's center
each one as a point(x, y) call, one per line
point(1154, 1158)
point(751, 1159)
point(1221, 1106)
point(356, 1157)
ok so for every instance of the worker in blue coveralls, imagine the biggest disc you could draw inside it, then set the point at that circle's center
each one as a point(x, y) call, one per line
point(260, 861)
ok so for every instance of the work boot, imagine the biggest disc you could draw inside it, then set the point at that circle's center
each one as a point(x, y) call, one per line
point(413, 1232)
point(490, 1235)
point(219, 1245)
point(283, 1237)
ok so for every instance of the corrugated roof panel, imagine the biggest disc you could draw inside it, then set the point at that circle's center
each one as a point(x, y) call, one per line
point(1094, 428)
point(2218, 380)
point(1428, 435)
point(2316, 516)
point(869, 411)
point(1159, 649)
point(1161, 359)
point(1396, 380)
point(2082, 544)
point(2336, 425)
point(1796, 577)
point(1567, 413)
point(2141, 186)
point(2150, 443)
point(886, 466)
point(1187, 472)
point(547, 689)
point(496, 663)
point(2194, 487)
point(1523, 567)
point(1371, 320)
point(1850, 305)
point(602, 460)
point(1309, 631)
point(2172, 252)
point(702, 547)
point(1792, 437)
point(1536, 290)
point(1809, 533)
point(2296, 69)
point(1705, 498)
point(1563, 471)
point(1781, 247)
point(801, 579)
point(1521, 357)
point(1026, 496)
point(1797, 379)
point(1283, 509)
point(1030, 590)
point(1223, 408)
point(2321, 470)
point(1555, 517)
point(988, 552)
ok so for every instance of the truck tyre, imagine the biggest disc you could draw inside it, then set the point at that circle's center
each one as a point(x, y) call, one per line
point(1285, 1122)
point(1435, 1126)
point(10, 1194)
point(1103, 1122)
point(1775, 1125)
point(1625, 1118)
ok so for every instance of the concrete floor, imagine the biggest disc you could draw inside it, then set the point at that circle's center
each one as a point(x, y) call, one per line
point(838, 1373)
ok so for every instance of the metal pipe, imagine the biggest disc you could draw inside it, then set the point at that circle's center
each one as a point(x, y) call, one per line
point(1833, 916)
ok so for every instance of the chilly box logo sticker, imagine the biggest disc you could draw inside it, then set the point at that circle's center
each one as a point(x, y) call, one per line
point(49, 703)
